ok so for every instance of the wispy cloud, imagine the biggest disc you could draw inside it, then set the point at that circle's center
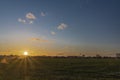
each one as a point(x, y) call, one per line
point(42, 14)
point(62, 26)
point(42, 40)
point(53, 33)
point(21, 20)
point(39, 39)
point(30, 16)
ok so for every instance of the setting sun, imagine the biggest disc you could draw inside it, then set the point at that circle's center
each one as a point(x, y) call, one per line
point(25, 53)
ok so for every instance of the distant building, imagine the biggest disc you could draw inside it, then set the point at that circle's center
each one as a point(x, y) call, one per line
point(118, 55)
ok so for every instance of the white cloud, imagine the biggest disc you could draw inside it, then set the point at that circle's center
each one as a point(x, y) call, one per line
point(25, 21)
point(21, 20)
point(30, 16)
point(53, 33)
point(42, 14)
point(31, 22)
point(62, 26)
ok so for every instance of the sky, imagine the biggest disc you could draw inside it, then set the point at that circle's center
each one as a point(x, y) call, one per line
point(60, 27)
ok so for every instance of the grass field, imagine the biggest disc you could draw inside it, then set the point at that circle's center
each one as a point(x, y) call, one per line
point(37, 68)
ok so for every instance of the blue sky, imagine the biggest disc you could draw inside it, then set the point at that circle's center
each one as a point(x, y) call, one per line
point(67, 27)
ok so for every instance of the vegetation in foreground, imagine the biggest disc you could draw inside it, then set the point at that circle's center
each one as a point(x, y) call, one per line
point(47, 68)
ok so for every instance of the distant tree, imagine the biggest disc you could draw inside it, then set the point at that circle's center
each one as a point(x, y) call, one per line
point(83, 55)
point(98, 56)
point(4, 61)
point(118, 55)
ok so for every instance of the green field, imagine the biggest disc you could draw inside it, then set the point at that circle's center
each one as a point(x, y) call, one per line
point(37, 68)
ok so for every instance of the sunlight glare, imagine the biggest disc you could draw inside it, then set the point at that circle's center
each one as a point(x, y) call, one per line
point(25, 53)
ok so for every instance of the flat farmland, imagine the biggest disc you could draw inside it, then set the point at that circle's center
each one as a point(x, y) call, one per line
point(49, 68)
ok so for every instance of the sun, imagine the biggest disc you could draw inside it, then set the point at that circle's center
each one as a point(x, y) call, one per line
point(25, 53)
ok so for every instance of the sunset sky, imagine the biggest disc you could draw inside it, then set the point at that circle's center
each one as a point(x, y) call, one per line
point(60, 27)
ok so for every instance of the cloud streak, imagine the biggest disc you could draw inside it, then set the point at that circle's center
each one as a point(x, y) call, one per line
point(40, 40)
